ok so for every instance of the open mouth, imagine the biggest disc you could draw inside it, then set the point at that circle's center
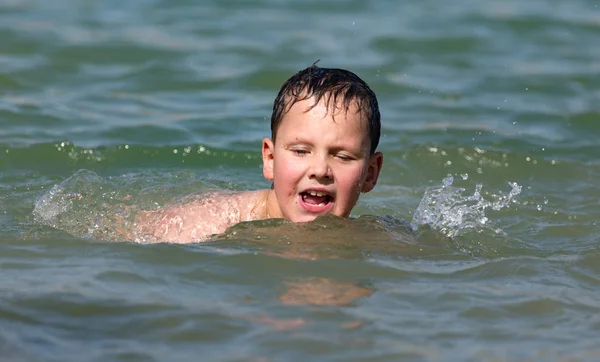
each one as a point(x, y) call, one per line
point(316, 201)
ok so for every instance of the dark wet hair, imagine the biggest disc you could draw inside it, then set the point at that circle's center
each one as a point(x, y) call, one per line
point(329, 84)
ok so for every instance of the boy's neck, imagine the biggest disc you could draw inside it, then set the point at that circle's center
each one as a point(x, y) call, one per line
point(260, 205)
point(271, 207)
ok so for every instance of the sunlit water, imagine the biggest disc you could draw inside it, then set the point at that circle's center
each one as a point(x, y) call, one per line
point(479, 243)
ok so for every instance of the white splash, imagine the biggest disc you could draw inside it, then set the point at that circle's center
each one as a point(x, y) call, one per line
point(448, 210)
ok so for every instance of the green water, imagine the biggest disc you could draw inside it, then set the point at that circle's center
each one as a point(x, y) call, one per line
point(108, 106)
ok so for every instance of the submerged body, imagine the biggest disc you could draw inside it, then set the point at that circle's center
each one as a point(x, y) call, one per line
point(319, 165)
point(325, 128)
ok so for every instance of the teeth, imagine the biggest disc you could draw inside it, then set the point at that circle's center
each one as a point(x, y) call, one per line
point(317, 193)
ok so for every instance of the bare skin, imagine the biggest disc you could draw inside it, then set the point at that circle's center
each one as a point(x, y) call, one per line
point(196, 218)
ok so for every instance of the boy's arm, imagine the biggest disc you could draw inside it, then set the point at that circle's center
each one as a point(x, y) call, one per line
point(192, 221)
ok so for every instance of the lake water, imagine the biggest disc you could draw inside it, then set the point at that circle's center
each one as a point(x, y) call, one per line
point(480, 242)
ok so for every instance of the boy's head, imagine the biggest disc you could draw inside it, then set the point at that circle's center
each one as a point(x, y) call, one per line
point(325, 130)
point(336, 87)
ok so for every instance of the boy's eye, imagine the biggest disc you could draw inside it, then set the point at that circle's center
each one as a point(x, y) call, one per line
point(344, 157)
point(299, 152)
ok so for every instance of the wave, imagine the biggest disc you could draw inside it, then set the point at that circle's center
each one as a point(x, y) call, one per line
point(66, 155)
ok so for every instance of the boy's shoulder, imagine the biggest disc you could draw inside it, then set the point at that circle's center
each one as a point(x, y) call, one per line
point(196, 217)
point(228, 206)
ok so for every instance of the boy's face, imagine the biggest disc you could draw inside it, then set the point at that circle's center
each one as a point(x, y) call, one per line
point(320, 162)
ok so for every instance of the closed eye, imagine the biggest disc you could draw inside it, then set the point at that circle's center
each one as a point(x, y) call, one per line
point(344, 157)
point(299, 152)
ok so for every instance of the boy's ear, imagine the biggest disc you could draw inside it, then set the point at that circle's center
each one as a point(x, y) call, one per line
point(268, 150)
point(373, 170)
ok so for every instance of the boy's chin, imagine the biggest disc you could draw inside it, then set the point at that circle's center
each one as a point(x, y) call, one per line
point(304, 217)
point(309, 217)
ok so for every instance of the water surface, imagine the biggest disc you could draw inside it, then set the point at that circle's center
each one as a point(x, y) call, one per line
point(479, 243)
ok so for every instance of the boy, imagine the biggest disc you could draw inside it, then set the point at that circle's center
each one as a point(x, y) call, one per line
point(325, 130)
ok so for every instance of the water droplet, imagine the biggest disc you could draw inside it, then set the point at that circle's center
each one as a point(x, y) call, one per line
point(448, 210)
point(448, 181)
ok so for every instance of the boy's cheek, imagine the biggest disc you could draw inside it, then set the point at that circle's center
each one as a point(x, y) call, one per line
point(286, 168)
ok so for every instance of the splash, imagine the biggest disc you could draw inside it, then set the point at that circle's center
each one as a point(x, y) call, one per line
point(82, 205)
point(105, 208)
point(448, 210)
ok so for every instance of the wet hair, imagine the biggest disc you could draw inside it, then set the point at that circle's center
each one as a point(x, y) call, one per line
point(331, 85)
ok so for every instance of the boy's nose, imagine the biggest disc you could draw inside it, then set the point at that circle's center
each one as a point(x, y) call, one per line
point(320, 169)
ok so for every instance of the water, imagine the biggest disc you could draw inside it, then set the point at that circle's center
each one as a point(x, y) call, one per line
point(479, 243)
